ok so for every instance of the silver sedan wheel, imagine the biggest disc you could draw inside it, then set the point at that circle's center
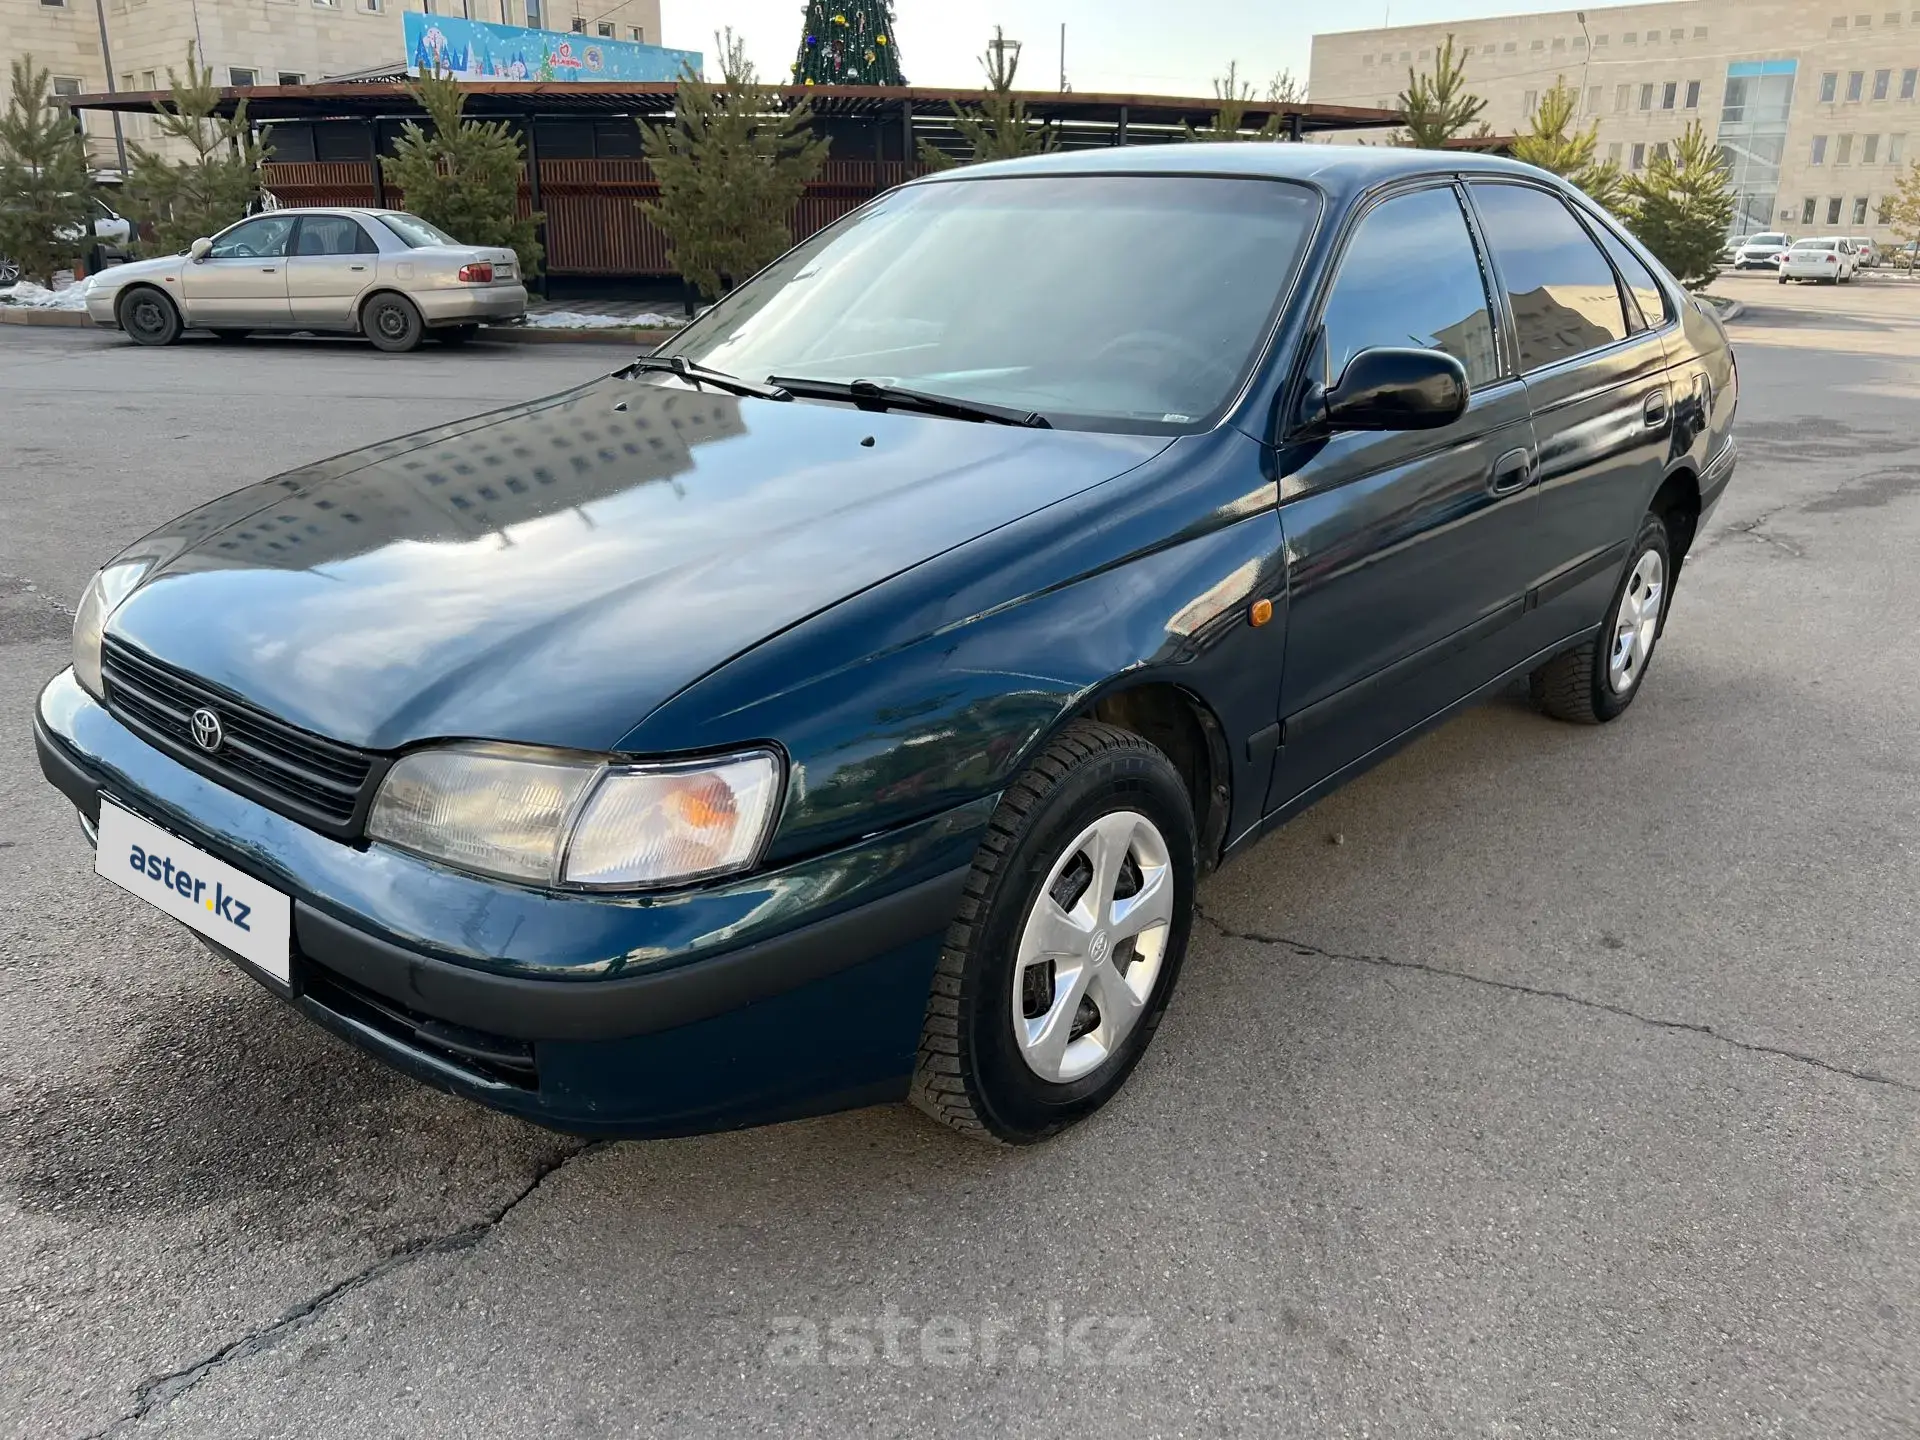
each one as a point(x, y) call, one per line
point(1636, 622)
point(1092, 947)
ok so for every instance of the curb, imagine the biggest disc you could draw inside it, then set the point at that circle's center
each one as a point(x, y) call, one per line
point(521, 335)
point(10, 315)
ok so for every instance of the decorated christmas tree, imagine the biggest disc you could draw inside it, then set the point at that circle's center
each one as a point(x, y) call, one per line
point(848, 42)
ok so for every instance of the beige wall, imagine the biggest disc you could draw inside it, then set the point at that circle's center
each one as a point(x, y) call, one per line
point(311, 39)
point(1639, 51)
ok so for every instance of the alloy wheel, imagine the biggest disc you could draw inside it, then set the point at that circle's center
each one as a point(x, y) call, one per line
point(1636, 622)
point(1092, 947)
point(146, 317)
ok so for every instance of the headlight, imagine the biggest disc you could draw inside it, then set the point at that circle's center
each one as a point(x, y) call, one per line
point(555, 818)
point(100, 599)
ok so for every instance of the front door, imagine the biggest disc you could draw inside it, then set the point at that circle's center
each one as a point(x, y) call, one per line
point(1595, 365)
point(242, 281)
point(332, 264)
point(1405, 550)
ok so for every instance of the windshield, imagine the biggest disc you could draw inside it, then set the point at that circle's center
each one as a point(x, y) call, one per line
point(1102, 302)
point(415, 232)
point(1768, 240)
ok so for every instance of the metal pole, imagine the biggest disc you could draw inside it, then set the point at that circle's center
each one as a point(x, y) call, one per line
point(1120, 136)
point(106, 55)
point(1063, 57)
point(1586, 64)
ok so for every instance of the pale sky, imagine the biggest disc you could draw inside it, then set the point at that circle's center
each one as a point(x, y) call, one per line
point(1169, 47)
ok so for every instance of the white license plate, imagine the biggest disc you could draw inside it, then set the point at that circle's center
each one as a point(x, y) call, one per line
point(253, 920)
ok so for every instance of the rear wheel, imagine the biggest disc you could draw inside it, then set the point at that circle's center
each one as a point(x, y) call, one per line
point(148, 317)
point(1595, 682)
point(1068, 942)
point(392, 323)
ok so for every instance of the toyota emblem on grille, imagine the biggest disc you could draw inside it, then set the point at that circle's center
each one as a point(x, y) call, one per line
point(207, 731)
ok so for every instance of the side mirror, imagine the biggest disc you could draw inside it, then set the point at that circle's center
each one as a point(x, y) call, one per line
point(1387, 388)
point(198, 250)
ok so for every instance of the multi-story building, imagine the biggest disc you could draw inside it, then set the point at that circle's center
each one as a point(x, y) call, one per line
point(1816, 106)
point(257, 42)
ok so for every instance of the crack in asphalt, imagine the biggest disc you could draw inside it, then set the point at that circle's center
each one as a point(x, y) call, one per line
point(156, 1392)
point(1387, 962)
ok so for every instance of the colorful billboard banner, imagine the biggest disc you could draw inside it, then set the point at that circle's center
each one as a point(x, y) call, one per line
point(471, 50)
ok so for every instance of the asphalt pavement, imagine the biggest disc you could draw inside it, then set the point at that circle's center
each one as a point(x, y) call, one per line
point(1546, 1081)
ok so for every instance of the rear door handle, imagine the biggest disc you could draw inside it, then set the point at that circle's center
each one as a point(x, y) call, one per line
point(1656, 408)
point(1513, 471)
point(356, 267)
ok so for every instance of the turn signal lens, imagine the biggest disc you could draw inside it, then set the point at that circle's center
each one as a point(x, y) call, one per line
point(657, 825)
point(478, 274)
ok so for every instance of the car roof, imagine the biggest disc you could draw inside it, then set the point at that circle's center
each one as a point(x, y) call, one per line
point(1338, 169)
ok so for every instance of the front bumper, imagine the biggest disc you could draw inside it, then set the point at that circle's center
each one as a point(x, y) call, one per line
point(785, 994)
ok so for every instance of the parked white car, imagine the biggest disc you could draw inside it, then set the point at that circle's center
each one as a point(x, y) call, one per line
point(107, 243)
point(1866, 253)
point(1759, 250)
point(1831, 261)
point(380, 273)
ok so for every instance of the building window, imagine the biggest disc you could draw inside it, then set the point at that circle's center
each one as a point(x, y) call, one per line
point(605, 27)
point(1529, 103)
point(1538, 45)
point(637, 34)
point(1896, 148)
point(1579, 42)
point(1622, 97)
point(1598, 41)
point(291, 77)
point(1486, 49)
point(1559, 44)
point(1870, 150)
point(1632, 37)
point(1693, 94)
point(148, 81)
point(1506, 49)
point(1855, 80)
point(1860, 210)
point(1646, 97)
point(1660, 150)
point(1653, 37)
point(1676, 34)
point(372, 7)
point(1405, 56)
point(1819, 149)
point(1639, 157)
point(1833, 212)
point(1593, 101)
point(1844, 155)
point(1699, 32)
point(1613, 153)
point(1907, 78)
point(55, 4)
point(238, 75)
point(536, 14)
point(579, 25)
point(1881, 80)
point(1839, 22)
point(1669, 94)
point(1806, 210)
point(1862, 22)
point(1830, 86)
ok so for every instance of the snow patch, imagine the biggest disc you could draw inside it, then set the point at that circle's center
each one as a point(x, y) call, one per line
point(581, 320)
point(37, 297)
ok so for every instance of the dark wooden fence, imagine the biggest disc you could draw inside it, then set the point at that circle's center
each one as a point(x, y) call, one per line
point(594, 224)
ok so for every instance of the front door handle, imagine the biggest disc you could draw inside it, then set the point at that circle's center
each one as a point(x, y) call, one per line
point(356, 267)
point(269, 269)
point(1512, 472)
point(1656, 409)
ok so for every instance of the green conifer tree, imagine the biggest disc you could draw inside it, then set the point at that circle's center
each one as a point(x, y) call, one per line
point(1681, 207)
point(1438, 105)
point(1554, 144)
point(998, 127)
point(1236, 97)
point(731, 165)
point(464, 175)
point(214, 185)
point(46, 189)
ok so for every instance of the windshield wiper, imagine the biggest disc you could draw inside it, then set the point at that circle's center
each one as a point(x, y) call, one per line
point(871, 395)
point(702, 375)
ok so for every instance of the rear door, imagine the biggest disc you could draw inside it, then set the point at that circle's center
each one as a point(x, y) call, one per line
point(1596, 378)
point(242, 281)
point(332, 264)
point(1405, 550)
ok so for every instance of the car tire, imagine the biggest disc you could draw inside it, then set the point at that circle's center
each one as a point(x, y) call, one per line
point(148, 316)
point(456, 334)
point(1783, 279)
point(1017, 1042)
point(1596, 680)
point(392, 322)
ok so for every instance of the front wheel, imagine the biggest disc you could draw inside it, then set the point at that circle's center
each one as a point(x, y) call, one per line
point(1595, 682)
point(148, 317)
point(1069, 939)
point(392, 323)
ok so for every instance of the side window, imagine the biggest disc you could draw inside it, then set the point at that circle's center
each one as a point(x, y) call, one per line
point(1411, 277)
point(1642, 289)
point(263, 236)
point(331, 235)
point(1563, 294)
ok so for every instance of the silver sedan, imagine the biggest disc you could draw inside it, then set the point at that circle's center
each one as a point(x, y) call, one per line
point(380, 273)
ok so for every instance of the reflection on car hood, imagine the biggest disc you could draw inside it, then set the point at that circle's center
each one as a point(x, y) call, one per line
point(553, 572)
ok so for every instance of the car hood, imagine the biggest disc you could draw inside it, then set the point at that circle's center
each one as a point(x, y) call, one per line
point(553, 572)
point(114, 276)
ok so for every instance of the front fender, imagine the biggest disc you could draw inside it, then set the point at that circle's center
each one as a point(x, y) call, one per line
point(934, 688)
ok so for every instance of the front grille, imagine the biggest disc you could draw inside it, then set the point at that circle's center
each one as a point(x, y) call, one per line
point(304, 776)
